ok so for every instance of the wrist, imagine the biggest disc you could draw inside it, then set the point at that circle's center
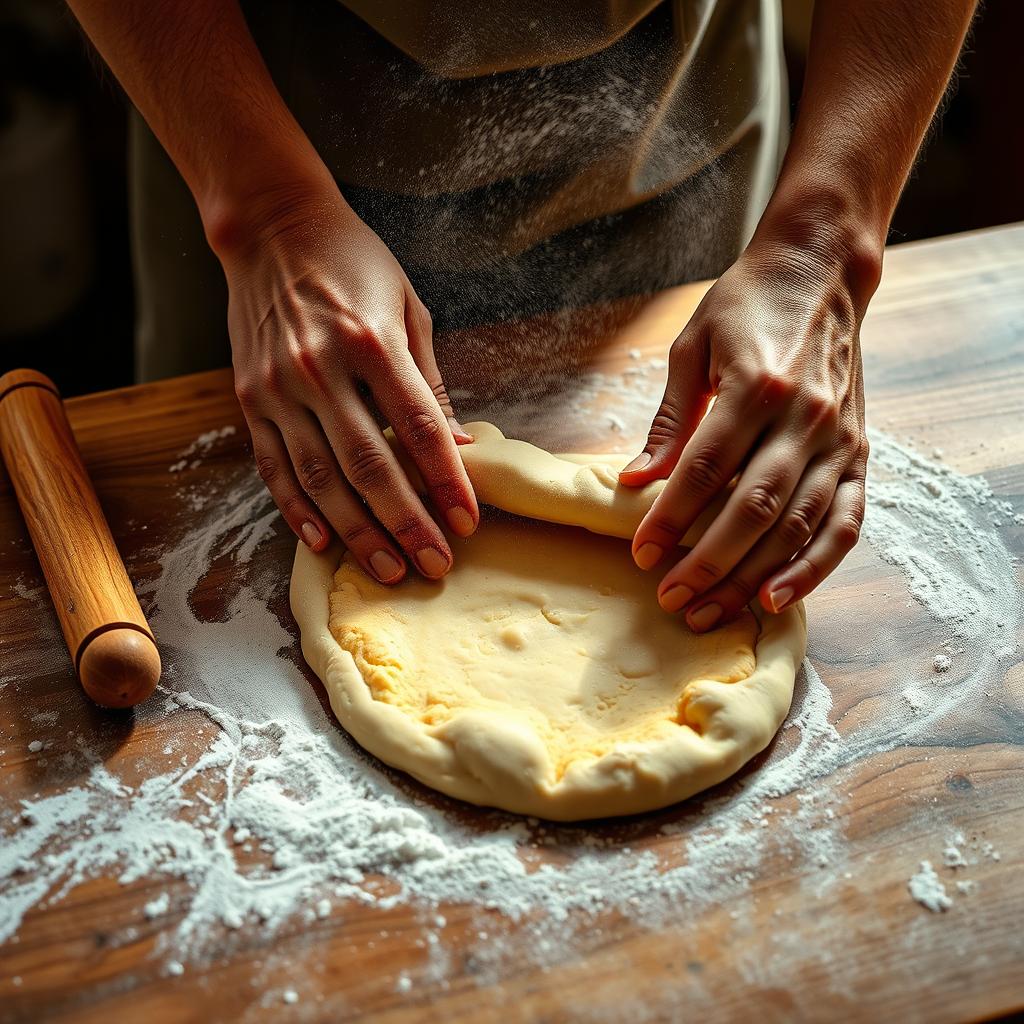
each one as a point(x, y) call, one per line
point(823, 228)
point(245, 209)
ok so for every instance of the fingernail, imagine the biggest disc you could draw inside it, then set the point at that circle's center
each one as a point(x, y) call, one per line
point(675, 597)
point(311, 534)
point(461, 521)
point(648, 555)
point(385, 566)
point(431, 562)
point(705, 617)
point(640, 462)
point(459, 431)
point(780, 598)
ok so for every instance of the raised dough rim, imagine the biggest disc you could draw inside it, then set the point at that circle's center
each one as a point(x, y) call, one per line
point(658, 774)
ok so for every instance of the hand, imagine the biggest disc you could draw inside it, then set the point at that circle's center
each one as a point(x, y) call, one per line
point(776, 342)
point(323, 320)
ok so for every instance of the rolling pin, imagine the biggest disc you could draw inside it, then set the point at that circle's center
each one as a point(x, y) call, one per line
point(110, 642)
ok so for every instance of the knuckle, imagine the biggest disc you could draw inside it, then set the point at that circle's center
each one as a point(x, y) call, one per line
point(737, 592)
point(704, 473)
point(367, 467)
point(848, 442)
point(315, 475)
point(773, 387)
point(268, 469)
point(356, 532)
point(665, 425)
point(292, 507)
point(422, 429)
point(679, 353)
point(251, 389)
point(847, 532)
point(704, 572)
point(759, 507)
point(664, 525)
point(368, 340)
point(247, 393)
point(822, 410)
point(306, 360)
point(809, 569)
point(409, 533)
point(797, 527)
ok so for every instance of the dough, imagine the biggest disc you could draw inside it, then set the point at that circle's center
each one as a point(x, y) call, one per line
point(541, 676)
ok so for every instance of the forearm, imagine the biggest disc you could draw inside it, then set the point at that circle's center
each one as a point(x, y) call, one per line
point(193, 70)
point(876, 72)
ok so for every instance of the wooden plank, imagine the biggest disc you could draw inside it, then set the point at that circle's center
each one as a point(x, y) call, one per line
point(944, 356)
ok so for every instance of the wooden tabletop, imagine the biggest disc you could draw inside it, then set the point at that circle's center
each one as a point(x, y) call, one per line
point(944, 360)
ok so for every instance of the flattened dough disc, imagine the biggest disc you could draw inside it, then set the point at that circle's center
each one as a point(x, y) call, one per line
point(541, 676)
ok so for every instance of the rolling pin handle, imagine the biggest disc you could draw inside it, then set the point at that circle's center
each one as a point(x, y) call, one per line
point(106, 632)
point(119, 667)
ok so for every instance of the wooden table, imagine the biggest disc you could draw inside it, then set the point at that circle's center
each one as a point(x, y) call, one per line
point(944, 357)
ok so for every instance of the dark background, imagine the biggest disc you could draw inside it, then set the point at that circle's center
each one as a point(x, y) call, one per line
point(65, 264)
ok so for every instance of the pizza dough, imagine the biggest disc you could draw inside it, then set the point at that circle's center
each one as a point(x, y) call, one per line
point(541, 676)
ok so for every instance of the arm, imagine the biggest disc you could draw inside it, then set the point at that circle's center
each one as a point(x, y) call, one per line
point(776, 340)
point(319, 310)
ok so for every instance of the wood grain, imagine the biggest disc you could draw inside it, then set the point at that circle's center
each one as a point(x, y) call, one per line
point(944, 357)
point(90, 589)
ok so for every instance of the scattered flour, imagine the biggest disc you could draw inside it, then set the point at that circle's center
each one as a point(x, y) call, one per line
point(953, 857)
point(158, 907)
point(264, 811)
point(201, 446)
point(926, 888)
point(958, 856)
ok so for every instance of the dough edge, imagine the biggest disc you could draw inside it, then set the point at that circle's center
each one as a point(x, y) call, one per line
point(737, 720)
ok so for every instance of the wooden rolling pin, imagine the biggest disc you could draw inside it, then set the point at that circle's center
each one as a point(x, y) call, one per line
point(111, 645)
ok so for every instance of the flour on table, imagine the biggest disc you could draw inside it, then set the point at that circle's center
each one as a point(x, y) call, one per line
point(926, 888)
point(959, 856)
point(262, 812)
point(952, 855)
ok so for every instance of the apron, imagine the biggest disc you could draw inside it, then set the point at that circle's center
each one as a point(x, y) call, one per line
point(516, 158)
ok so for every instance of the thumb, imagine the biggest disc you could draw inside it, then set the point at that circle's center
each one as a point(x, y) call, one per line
point(420, 332)
point(687, 394)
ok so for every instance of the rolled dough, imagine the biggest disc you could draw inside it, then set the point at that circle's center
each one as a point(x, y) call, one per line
point(541, 676)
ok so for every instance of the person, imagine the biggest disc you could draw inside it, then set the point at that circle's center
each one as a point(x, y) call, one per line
point(353, 165)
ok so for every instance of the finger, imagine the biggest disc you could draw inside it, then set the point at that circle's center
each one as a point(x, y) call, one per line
point(834, 541)
point(275, 468)
point(682, 408)
point(793, 530)
point(420, 331)
point(372, 470)
point(320, 478)
point(764, 487)
point(412, 410)
point(711, 458)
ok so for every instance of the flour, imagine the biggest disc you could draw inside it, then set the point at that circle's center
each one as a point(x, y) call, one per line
point(926, 888)
point(958, 857)
point(260, 810)
point(158, 907)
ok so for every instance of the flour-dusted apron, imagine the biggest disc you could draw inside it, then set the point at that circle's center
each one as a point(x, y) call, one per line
point(516, 157)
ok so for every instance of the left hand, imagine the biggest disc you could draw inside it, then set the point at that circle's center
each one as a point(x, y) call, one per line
point(776, 342)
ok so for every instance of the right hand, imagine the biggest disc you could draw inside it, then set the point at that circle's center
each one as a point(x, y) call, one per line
point(323, 320)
